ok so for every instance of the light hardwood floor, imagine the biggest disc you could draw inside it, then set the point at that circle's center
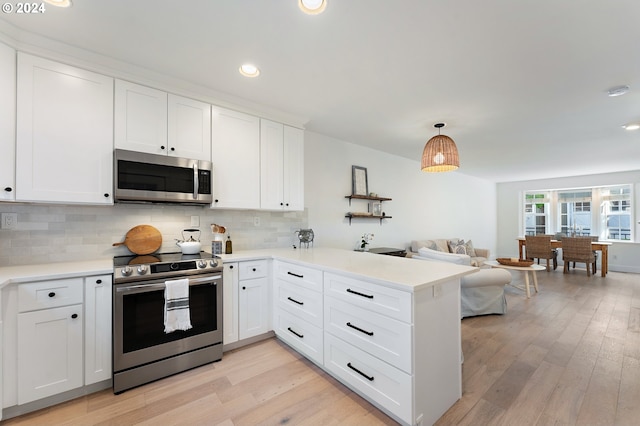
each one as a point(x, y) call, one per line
point(570, 355)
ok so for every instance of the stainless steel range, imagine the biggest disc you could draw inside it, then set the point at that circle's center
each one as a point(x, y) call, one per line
point(142, 351)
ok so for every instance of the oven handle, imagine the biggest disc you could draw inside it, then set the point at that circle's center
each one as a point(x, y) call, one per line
point(192, 281)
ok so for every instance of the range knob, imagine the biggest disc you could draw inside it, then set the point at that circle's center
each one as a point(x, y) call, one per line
point(126, 271)
point(202, 263)
point(213, 263)
point(174, 266)
point(142, 269)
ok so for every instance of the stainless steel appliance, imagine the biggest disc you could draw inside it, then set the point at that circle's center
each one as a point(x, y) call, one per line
point(142, 177)
point(142, 351)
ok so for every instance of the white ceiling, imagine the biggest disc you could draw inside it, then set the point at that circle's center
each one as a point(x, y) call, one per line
point(521, 84)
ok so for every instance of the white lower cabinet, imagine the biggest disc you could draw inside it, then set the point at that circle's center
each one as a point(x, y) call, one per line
point(49, 352)
point(58, 336)
point(246, 295)
point(97, 331)
point(377, 380)
point(303, 336)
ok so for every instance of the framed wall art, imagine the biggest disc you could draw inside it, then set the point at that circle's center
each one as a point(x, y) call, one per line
point(359, 183)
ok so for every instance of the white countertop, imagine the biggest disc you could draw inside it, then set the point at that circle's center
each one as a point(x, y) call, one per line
point(399, 272)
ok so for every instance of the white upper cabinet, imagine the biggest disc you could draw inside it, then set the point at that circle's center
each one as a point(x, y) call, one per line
point(281, 166)
point(7, 123)
point(150, 120)
point(64, 148)
point(235, 155)
point(189, 128)
point(140, 118)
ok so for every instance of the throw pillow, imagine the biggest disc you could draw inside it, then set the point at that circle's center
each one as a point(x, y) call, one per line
point(417, 245)
point(470, 250)
point(457, 247)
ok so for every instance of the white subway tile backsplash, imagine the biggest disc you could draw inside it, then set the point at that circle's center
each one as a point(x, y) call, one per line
point(65, 233)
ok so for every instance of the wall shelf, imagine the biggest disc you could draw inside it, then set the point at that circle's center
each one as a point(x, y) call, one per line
point(366, 197)
point(355, 215)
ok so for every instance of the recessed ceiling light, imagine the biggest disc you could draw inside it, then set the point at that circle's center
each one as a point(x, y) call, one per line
point(631, 126)
point(59, 3)
point(249, 70)
point(312, 7)
point(618, 90)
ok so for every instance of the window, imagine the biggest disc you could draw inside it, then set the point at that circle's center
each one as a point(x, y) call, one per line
point(616, 212)
point(605, 212)
point(536, 209)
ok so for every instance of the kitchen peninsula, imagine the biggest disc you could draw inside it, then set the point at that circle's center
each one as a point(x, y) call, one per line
point(387, 327)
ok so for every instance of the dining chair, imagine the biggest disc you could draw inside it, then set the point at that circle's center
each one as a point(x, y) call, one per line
point(578, 249)
point(539, 247)
point(595, 254)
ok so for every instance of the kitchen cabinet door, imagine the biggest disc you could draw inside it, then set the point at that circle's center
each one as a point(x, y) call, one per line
point(49, 352)
point(230, 303)
point(235, 153)
point(254, 307)
point(189, 128)
point(141, 120)
point(7, 123)
point(281, 167)
point(97, 331)
point(64, 149)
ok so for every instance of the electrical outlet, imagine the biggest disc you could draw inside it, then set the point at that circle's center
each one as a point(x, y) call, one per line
point(256, 221)
point(195, 221)
point(9, 220)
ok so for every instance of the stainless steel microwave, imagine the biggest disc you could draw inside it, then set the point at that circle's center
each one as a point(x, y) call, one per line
point(142, 177)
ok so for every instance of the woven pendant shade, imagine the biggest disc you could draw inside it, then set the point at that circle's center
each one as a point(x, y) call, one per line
point(440, 154)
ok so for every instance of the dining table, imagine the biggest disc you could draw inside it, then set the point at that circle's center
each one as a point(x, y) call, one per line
point(601, 246)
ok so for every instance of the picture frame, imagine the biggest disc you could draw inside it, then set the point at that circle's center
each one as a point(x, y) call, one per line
point(359, 182)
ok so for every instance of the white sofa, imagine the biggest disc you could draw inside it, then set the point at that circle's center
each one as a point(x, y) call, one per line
point(482, 292)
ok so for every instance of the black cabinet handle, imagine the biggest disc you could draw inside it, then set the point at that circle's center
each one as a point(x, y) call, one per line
point(287, 204)
point(295, 301)
point(244, 288)
point(215, 201)
point(98, 281)
point(106, 195)
point(52, 294)
point(254, 269)
point(295, 275)
point(173, 149)
point(8, 189)
point(370, 378)
point(74, 316)
point(297, 334)
point(161, 146)
point(368, 333)
point(282, 204)
point(368, 296)
point(230, 266)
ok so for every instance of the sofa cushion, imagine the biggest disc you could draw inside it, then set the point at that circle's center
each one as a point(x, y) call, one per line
point(460, 259)
point(470, 250)
point(457, 246)
point(418, 244)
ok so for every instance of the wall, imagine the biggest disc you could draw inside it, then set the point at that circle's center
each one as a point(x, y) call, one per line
point(423, 206)
point(56, 233)
point(623, 256)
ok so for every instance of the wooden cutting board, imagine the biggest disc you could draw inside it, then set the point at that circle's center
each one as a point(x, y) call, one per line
point(142, 239)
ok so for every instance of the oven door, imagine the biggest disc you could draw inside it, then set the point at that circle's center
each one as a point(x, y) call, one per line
point(138, 321)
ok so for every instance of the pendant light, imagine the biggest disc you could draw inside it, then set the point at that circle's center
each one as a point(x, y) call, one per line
point(440, 154)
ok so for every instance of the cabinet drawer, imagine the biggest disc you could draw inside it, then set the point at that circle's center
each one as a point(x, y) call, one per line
point(303, 337)
point(383, 300)
point(379, 382)
point(49, 294)
point(381, 336)
point(253, 269)
point(300, 275)
point(299, 301)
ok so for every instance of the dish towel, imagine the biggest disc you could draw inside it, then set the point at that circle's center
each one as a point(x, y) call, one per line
point(176, 305)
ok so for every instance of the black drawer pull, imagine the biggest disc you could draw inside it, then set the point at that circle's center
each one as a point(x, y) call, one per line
point(52, 294)
point(297, 334)
point(368, 296)
point(368, 333)
point(369, 378)
point(295, 301)
point(295, 275)
point(74, 316)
